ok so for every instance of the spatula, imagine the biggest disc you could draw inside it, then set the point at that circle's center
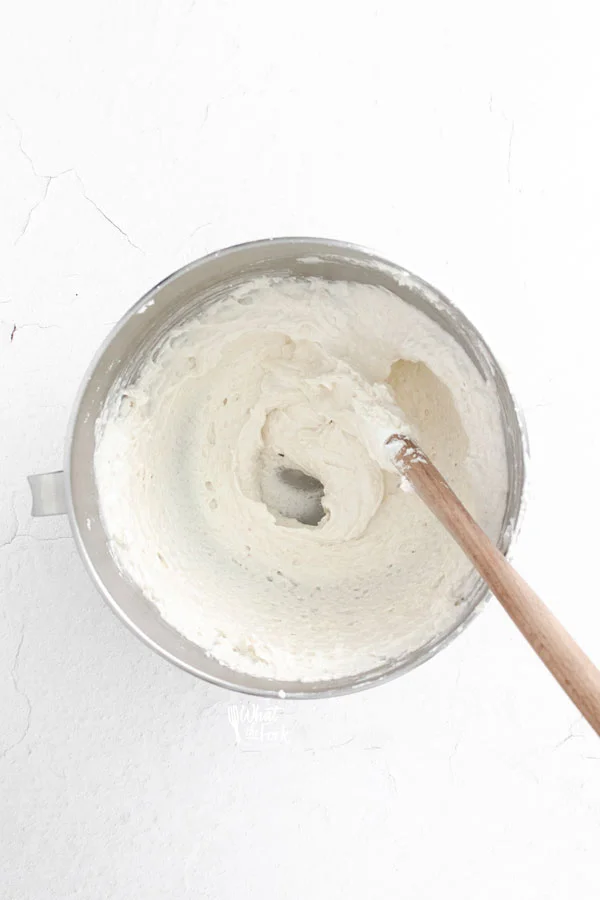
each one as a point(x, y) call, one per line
point(573, 670)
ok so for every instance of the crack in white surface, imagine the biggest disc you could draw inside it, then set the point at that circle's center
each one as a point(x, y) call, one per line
point(14, 531)
point(20, 327)
point(19, 690)
point(570, 734)
point(19, 131)
point(105, 215)
point(17, 534)
point(199, 228)
point(14, 670)
point(35, 206)
point(11, 540)
point(48, 179)
point(32, 537)
point(48, 540)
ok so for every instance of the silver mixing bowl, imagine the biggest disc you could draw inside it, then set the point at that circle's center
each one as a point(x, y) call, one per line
point(140, 331)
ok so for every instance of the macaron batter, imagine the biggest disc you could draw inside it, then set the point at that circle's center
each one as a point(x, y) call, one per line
point(197, 465)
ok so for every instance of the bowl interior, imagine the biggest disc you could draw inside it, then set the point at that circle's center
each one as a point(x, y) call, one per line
point(142, 328)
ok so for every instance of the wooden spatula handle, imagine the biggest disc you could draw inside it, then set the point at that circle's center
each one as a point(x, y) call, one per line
point(573, 670)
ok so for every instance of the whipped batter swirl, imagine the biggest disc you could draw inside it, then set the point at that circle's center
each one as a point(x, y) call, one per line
point(307, 376)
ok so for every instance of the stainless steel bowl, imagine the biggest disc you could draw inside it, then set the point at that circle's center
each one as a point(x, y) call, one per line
point(140, 331)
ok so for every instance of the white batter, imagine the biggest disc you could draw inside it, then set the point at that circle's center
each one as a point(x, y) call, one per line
point(311, 376)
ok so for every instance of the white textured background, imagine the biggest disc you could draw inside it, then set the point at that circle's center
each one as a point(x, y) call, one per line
point(461, 140)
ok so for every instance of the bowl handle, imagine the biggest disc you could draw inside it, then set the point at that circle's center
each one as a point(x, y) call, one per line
point(48, 494)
